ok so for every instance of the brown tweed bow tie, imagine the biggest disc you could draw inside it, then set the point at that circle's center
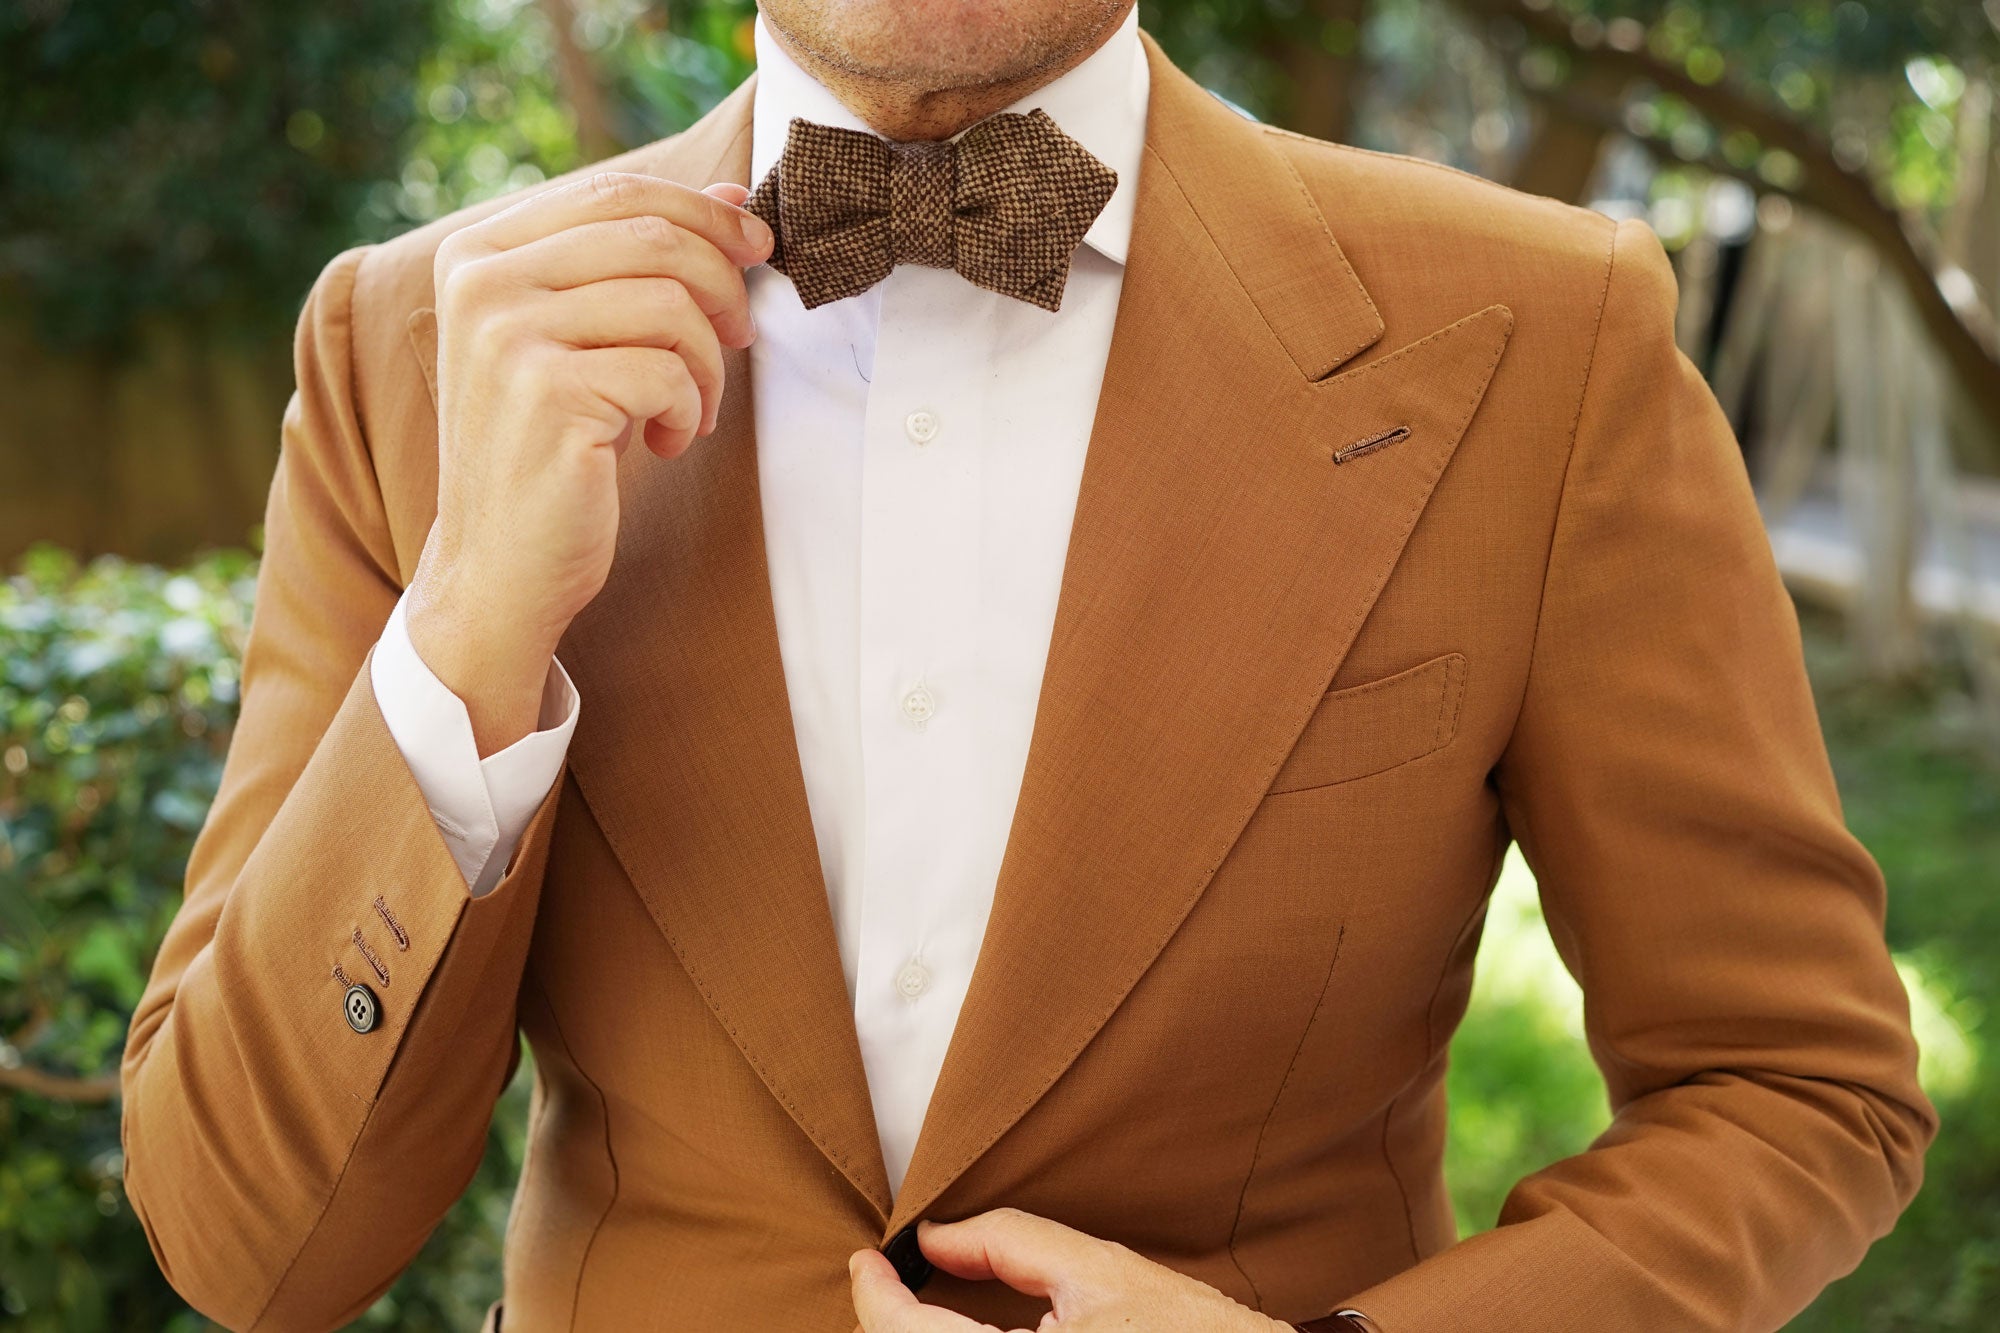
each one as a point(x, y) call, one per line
point(1005, 205)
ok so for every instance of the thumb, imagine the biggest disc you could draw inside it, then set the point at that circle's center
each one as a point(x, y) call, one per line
point(1030, 1254)
point(729, 192)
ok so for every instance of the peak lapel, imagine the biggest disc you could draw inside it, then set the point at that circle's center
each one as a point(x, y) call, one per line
point(692, 771)
point(685, 753)
point(1220, 564)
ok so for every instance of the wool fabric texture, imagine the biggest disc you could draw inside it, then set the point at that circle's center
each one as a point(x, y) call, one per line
point(1006, 205)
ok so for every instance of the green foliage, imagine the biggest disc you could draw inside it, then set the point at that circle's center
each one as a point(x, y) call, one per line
point(1522, 1089)
point(664, 76)
point(1878, 81)
point(118, 688)
point(1924, 798)
point(487, 117)
point(490, 116)
point(201, 158)
point(117, 693)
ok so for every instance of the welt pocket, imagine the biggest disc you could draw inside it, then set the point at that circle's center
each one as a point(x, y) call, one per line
point(1363, 729)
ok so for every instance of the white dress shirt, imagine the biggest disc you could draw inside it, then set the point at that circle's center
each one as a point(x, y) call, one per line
point(919, 448)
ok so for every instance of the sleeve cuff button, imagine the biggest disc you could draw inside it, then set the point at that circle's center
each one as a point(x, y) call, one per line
point(362, 1008)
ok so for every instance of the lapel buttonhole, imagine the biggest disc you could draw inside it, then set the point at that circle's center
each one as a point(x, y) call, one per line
point(1371, 444)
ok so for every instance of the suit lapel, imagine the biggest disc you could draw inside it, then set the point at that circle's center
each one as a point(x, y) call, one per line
point(685, 753)
point(1220, 564)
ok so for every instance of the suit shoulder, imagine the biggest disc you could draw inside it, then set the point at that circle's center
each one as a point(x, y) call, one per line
point(1461, 219)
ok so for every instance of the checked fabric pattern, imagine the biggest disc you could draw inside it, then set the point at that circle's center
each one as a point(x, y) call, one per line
point(1006, 205)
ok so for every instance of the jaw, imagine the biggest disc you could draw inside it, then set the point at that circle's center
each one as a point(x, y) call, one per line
point(926, 69)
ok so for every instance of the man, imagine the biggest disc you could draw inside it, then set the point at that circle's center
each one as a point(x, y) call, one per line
point(1001, 705)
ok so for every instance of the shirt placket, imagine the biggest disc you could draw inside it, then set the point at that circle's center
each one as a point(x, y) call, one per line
point(920, 708)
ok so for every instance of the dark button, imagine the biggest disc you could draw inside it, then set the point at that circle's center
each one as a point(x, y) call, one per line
point(907, 1257)
point(363, 1009)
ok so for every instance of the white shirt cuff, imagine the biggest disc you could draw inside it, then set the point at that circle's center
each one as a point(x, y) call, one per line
point(481, 806)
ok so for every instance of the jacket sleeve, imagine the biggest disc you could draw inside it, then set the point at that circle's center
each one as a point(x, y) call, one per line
point(1668, 783)
point(286, 1167)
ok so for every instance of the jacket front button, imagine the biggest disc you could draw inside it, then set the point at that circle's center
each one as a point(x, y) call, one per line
point(907, 1258)
point(363, 1010)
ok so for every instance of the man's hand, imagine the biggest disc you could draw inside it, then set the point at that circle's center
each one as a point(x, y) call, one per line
point(1093, 1284)
point(569, 325)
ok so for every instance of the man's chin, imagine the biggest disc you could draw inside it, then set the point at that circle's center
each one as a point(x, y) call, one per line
point(941, 46)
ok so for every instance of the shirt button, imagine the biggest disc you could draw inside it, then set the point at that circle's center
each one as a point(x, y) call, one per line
point(362, 1009)
point(922, 427)
point(919, 706)
point(913, 980)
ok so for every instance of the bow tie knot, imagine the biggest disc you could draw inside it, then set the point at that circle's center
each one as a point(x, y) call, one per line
point(1005, 205)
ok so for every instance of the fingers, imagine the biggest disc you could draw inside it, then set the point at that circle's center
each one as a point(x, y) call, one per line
point(615, 386)
point(880, 1298)
point(611, 195)
point(1030, 1254)
point(642, 247)
point(885, 1305)
point(640, 312)
point(729, 192)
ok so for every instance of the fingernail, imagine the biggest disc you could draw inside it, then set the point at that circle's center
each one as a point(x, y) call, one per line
point(853, 1261)
point(755, 231)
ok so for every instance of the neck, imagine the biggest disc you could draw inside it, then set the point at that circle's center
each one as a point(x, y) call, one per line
point(906, 112)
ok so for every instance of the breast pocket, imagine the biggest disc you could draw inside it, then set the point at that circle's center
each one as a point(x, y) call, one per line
point(1371, 727)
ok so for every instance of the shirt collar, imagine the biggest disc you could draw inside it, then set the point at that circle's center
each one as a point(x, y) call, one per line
point(1101, 104)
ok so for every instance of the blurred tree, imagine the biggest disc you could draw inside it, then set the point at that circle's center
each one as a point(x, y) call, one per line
point(202, 158)
point(117, 695)
point(1848, 107)
point(172, 174)
point(117, 687)
point(515, 91)
point(1843, 107)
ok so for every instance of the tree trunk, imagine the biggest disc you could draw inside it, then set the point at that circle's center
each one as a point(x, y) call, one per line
point(1879, 492)
point(1562, 159)
point(1964, 333)
point(576, 75)
point(1323, 73)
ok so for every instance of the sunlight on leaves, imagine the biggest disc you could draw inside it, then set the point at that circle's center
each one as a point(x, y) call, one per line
point(1948, 1063)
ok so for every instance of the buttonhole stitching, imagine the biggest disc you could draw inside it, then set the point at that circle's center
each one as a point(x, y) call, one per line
point(389, 918)
point(1371, 444)
point(368, 953)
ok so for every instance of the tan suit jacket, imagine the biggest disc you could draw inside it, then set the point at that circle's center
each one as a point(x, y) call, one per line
point(1300, 695)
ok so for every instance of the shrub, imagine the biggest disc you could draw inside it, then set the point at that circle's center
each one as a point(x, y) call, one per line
point(117, 692)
